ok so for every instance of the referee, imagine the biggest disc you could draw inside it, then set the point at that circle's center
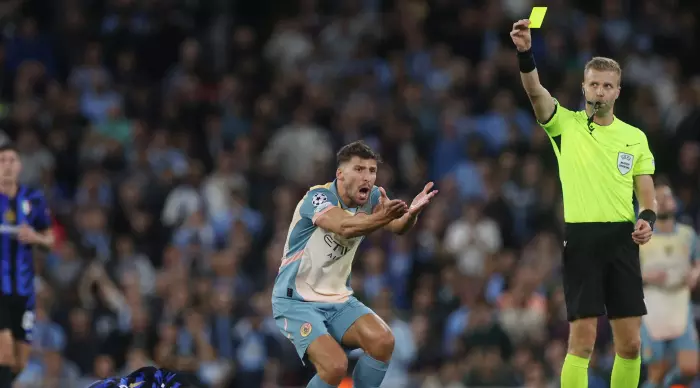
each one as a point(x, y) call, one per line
point(602, 162)
point(24, 223)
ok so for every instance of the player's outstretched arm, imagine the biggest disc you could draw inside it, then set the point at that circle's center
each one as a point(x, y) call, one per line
point(646, 195)
point(347, 225)
point(405, 223)
point(542, 102)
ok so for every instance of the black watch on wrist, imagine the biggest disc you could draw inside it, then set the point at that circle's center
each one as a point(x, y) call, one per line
point(648, 216)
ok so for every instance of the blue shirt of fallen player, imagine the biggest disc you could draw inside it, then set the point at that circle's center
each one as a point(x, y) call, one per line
point(146, 377)
point(29, 207)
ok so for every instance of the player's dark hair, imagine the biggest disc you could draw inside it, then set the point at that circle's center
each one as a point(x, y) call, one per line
point(357, 148)
point(9, 146)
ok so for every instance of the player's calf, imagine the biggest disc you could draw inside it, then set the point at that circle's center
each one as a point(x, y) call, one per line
point(22, 352)
point(7, 358)
point(330, 361)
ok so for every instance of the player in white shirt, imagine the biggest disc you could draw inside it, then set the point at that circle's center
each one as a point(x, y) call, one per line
point(312, 301)
point(670, 270)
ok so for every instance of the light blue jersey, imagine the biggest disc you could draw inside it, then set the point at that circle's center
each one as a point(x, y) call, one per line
point(312, 295)
point(316, 263)
point(669, 326)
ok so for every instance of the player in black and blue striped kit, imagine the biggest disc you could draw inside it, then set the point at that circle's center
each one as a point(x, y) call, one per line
point(24, 223)
point(147, 377)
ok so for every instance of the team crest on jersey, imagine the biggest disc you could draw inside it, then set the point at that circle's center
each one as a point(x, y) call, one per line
point(26, 207)
point(305, 329)
point(9, 217)
point(625, 162)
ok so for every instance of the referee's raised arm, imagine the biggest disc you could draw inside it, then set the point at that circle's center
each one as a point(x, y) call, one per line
point(602, 162)
point(541, 100)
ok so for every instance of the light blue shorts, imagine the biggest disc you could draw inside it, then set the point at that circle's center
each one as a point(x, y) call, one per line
point(659, 350)
point(302, 322)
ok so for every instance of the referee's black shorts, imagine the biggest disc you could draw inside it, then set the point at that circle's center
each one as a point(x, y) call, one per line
point(602, 273)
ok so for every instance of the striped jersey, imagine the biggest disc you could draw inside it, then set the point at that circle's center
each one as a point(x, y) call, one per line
point(316, 263)
point(146, 377)
point(29, 207)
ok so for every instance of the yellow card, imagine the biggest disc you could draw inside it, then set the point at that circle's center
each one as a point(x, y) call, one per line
point(537, 16)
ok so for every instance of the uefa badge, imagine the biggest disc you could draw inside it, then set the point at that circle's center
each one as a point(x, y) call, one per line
point(319, 199)
point(305, 329)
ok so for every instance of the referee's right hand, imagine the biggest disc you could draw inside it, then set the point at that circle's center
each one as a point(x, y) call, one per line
point(521, 35)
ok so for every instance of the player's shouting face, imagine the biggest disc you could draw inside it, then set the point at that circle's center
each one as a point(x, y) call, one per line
point(357, 176)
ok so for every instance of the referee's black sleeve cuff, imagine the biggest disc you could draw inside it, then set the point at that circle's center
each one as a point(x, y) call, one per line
point(552, 116)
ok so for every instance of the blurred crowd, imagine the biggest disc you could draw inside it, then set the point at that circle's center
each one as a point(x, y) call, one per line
point(174, 138)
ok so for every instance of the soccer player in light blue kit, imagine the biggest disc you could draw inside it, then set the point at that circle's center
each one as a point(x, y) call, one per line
point(670, 269)
point(312, 301)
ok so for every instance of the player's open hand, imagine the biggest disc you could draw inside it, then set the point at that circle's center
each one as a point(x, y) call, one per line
point(642, 232)
point(422, 199)
point(521, 35)
point(27, 235)
point(390, 208)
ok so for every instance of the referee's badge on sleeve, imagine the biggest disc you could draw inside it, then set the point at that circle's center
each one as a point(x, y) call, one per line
point(624, 162)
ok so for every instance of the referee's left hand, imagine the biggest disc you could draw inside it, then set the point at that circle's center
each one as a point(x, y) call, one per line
point(642, 232)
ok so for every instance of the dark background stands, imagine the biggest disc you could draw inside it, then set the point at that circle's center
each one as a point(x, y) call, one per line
point(174, 138)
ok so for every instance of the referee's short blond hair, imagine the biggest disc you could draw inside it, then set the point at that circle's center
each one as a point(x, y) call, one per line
point(603, 64)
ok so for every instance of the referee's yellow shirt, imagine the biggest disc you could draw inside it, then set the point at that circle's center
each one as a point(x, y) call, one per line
point(597, 168)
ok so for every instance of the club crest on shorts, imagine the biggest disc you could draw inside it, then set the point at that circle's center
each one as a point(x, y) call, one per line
point(625, 162)
point(305, 329)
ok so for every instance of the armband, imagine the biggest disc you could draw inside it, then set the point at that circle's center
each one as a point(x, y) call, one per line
point(648, 216)
point(526, 61)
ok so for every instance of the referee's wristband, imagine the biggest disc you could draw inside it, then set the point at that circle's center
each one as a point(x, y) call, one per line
point(648, 216)
point(526, 61)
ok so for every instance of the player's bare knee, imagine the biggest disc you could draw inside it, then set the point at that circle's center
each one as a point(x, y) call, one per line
point(582, 337)
point(332, 370)
point(381, 346)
